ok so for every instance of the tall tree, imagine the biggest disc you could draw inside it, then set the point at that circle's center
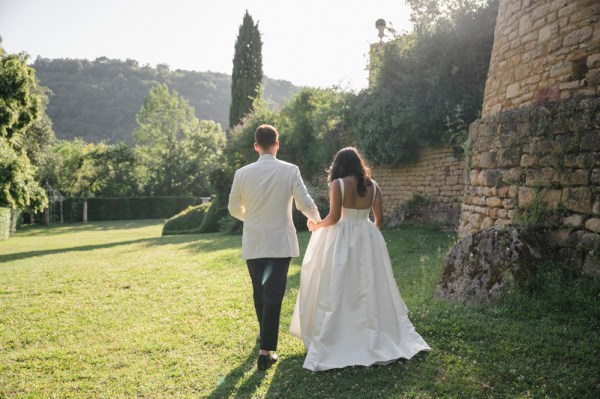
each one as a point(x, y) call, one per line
point(176, 151)
point(19, 110)
point(247, 74)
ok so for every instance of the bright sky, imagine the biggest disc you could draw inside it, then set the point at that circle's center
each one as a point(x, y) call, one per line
point(310, 42)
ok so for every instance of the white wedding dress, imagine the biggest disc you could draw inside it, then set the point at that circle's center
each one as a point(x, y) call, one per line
point(349, 310)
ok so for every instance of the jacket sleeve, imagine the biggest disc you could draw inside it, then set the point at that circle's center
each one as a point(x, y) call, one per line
point(304, 202)
point(236, 204)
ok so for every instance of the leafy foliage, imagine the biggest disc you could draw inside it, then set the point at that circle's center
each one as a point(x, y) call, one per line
point(187, 221)
point(20, 108)
point(98, 100)
point(421, 79)
point(312, 123)
point(247, 74)
point(176, 150)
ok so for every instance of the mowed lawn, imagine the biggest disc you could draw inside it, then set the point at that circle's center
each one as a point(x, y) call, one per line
point(114, 310)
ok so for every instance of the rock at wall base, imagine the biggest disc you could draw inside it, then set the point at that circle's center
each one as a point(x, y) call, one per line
point(485, 263)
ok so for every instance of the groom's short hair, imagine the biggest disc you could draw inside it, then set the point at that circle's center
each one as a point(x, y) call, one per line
point(266, 136)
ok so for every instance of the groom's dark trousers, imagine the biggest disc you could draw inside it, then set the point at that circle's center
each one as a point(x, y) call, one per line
point(268, 277)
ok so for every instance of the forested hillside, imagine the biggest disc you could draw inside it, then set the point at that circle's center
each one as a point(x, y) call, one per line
point(98, 100)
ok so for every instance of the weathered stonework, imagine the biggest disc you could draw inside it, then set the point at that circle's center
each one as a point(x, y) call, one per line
point(436, 179)
point(536, 151)
point(543, 51)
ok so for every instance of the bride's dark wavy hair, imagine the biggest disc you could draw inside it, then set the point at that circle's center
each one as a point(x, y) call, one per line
point(348, 162)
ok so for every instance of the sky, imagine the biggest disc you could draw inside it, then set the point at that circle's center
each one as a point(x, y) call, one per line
point(316, 43)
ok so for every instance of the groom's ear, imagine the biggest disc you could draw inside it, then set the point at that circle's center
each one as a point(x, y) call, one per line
point(256, 147)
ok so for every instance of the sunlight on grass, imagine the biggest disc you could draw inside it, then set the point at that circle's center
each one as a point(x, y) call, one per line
point(112, 309)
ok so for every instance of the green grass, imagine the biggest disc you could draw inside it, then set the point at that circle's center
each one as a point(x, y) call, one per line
point(113, 310)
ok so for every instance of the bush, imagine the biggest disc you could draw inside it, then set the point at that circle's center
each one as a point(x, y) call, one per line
point(4, 223)
point(187, 221)
point(216, 211)
point(15, 220)
point(230, 225)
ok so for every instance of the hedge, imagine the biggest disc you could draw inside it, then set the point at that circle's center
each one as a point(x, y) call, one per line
point(125, 208)
point(16, 217)
point(187, 221)
point(4, 223)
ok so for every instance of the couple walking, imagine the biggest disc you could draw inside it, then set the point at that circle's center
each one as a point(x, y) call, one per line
point(349, 310)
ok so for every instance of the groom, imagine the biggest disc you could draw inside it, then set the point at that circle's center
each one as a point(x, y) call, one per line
point(261, 196)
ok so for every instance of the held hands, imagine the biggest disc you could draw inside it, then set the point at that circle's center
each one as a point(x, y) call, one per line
point(312, 226)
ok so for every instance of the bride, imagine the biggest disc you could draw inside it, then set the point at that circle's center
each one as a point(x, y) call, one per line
point(349, 310)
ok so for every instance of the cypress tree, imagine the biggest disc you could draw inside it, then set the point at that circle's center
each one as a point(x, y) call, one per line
point(247, 74)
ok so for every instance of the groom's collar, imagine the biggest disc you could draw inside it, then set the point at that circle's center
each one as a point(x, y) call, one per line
point(266, 157)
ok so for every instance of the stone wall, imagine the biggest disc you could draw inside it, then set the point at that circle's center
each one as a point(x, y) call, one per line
point(545, 50)
point(535, 153)
point(430, 190)
point(540, 166)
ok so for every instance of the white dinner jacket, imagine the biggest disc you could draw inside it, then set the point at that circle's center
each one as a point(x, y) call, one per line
point(261, 196)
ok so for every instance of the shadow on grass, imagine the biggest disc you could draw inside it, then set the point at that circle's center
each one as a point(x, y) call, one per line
point(229, 384)
point(70, 228)
point(292, 380)
point(197, 243)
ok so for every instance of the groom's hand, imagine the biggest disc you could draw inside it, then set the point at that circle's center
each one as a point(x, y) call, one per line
point(312, 226)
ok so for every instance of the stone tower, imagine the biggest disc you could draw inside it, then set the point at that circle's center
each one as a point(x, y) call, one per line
point(534, 156)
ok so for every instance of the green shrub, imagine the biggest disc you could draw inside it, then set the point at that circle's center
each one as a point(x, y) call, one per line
point(4, 223)
point(216, 211)
point(187, 221)
point(230, 225)
point(15, 220)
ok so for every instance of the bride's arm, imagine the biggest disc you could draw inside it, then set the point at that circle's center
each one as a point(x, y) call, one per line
point(378, 208)
point(335, 208)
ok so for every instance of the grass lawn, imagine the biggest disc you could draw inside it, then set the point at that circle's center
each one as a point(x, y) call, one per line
point(113, 310)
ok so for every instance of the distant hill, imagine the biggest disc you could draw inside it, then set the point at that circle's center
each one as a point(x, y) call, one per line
point(98, 100)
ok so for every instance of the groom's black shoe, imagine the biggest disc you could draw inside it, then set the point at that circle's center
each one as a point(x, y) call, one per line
point(266, 361)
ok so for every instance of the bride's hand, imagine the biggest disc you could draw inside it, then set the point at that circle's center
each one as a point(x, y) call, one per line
point(312, 226)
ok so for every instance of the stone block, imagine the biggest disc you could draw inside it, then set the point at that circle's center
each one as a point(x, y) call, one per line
point(508, 203)
point(502, 222)
point(578, 36)
point(487, 222)
point(503, 191)
point(578, 199)
point(474, 177)
point(539, 177)
point(550, 198)
point(575, 220)
point(593, 61)
point(591, 265)
point(501, 213)
point(596, 206)
point(572, 177)
point(547, 32)
point(593, 224)
point(493, 202)
point(509, 158)
point(512, 176)
point(577, 160)
point(567, 142)
point(590, 141)
point(559, 237)
point(491, 177)
point(545, 94)
point(487, 160)
point(526, 197)
point(512, 90)
point(587, 240)
point(529, 160)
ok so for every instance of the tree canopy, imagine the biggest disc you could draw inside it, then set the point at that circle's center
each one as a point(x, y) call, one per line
point(20, 107)
point(247, 74)
point(176, 150)
point(422, 79)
